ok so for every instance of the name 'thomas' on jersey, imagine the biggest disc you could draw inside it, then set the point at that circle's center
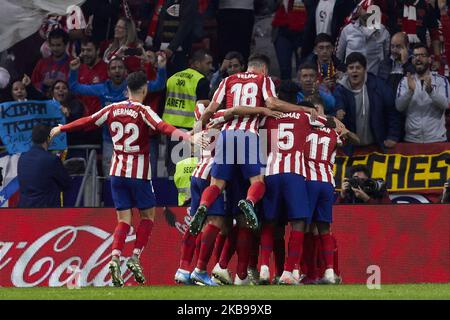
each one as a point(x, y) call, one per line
point(244, 89)
point(320, 154)
point(286, 138)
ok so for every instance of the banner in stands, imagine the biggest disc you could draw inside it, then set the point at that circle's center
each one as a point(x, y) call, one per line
point(17, 120)
point(71, 247)
point(419, 170)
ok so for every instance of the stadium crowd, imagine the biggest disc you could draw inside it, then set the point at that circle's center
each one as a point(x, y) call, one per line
point(380, 74)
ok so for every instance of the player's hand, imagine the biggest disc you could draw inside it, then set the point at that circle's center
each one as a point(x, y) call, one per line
point(26, 80)
point(55, 132)
point(75, 64)
point(411, 82)
point(390, 143)
point(199, 139)
point(343, 132)
point(272, 113)
point(339, 125)
point(314, 114)
point(360, 194)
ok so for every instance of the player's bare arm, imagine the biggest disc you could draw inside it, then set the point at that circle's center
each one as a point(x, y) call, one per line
point(209, 112)
point(283, 106)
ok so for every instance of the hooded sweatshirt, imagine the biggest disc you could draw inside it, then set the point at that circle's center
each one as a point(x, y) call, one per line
point(362, 111)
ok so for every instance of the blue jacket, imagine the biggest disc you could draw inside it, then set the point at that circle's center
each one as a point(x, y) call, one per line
point(42, 177)
point(384, 118)
point(109, 93)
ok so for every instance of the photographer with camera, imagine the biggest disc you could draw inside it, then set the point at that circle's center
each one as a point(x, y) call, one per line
point(446, 192)
point(360, 188)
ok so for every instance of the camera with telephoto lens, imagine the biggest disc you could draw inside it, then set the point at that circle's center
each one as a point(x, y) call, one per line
point(446, 194)
point(373, 187)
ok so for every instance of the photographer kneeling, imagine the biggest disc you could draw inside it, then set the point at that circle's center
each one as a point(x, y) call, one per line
point(360, 188)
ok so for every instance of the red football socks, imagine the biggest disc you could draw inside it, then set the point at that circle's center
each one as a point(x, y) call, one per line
point(256, 191)
point(327, 250)
point(208, 240)
point(218, 246)
point(294, 250)
point(267, 243)
point(228, 248)
point(279, 251)
point(335, 256)
point(142, 235)
point(187, 250)
point(209, 195)
point(120, 235)
point(243, 245)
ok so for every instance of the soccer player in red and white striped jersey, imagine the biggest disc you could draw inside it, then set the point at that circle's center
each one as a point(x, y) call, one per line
point(129, 123)
point(320, 153)
point(286, 187)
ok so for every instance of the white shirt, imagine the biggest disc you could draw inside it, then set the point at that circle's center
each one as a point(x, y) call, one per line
point(324, 15)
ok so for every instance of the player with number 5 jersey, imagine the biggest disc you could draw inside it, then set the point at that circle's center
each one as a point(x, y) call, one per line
point(129, 123)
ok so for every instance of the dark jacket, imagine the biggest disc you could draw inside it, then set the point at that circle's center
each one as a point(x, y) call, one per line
point(41, 179)
point(384, 118)
point(342, 9)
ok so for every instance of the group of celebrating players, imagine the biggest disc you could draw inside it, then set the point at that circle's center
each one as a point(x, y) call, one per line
point(270, 163)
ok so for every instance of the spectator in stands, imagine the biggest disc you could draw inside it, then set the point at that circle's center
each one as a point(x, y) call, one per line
point(73, 109)
point(329, 67)
point(287, 28)
point(234, 36)
point(394, 68)
point(419, 20)
point(125, 45)
point(446, 191)
point(309, 85)
point(110, 91)
point(359, 188)
point(423, 98)
point(324, 16)
point(372, 42)
point(175, 31)
point(368, 104)
point(184, 88)
point(55, 67)
point(233, 63)
point(41, 174)
point(93, 70)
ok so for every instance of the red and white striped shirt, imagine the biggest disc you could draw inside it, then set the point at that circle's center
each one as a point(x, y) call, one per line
point(244, 89)
point(204, 165)
point(129, 124)
point(286, 140)
point(320, 153)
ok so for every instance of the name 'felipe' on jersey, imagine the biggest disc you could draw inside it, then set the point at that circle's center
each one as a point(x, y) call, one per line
point(286, 140)
point(320, 153)
point(244, 89)
point(129, 124)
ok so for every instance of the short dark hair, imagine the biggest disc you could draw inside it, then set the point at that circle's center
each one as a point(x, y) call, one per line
point(307, 66)
point(199, 55)
point(360, 168)
point(421, 45)
point(87, 40)
point(58, 34)
point(287, 91)
point(315, 99)
point(356, 57)
point(136, 80)
point(258, 59)
point(40, 133)
point(235, 55)
point(115, 59)
point(323, 37)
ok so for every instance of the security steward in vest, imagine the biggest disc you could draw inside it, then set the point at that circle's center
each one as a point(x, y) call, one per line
point(184, 88)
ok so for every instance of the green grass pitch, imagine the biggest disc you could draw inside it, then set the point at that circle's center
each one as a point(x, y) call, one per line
point(322, 292)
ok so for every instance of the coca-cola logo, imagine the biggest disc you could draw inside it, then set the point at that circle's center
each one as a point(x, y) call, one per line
point(55, 258)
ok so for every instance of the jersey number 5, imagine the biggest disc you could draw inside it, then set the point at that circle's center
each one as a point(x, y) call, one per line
point(119, 131)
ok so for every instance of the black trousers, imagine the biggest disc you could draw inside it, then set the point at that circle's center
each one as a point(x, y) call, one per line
point(234, 30)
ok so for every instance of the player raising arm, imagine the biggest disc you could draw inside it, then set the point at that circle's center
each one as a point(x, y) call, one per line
point(129, 123)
